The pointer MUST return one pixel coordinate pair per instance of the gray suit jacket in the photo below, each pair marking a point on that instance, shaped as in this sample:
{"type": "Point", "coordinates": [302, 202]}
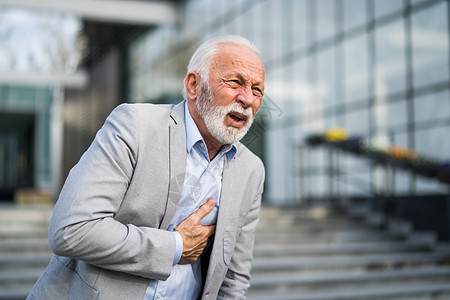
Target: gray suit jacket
{"type": "Point", "coordinates": [108, 229]}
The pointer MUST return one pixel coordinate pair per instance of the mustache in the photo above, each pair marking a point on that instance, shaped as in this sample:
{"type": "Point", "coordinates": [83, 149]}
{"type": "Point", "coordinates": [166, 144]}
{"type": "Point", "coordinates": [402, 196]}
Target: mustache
{"type": "Point", "coordinates": [236, 107]}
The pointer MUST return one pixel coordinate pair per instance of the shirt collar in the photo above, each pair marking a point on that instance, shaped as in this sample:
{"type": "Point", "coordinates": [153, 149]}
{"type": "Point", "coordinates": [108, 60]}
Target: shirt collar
{"type": "Point", "coordinates": [193, 136]}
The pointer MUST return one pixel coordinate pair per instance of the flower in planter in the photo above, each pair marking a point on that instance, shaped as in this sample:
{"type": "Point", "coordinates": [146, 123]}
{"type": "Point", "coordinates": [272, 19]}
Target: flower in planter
{"type": "Point", "coordinates": [425, 161]}
{"type": "Point", "coordinates": [444, 166]}
{"type": "Point", "coordinates": [353, 144]}
{"type": "Point", "coordinates": [336, 134]}
{"type": "Point", "coordinates": [315, 139]}
{"type": "Point", "coordinates": [424, 166]}
{"type": "Point", "coordinates": [375, 150]}
{"type": "Point", "coordinates": [377, 154]}
{"type": "Point", "coordinates": [354, 140]}
{"type": "Point", "coordinates": [401, 153]}
{"type": "Point", "coordinates": [443, 172]}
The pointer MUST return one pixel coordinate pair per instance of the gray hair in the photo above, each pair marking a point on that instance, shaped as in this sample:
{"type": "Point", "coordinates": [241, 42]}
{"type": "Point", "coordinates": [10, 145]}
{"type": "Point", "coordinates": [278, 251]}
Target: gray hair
{"type": "Point", "coordinates": [201, 59]}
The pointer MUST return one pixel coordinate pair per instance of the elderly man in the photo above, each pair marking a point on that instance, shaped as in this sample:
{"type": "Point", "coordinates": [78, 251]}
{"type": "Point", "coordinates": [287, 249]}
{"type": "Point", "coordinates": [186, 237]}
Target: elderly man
{"type": "Point", "coordinates": [164, 204]}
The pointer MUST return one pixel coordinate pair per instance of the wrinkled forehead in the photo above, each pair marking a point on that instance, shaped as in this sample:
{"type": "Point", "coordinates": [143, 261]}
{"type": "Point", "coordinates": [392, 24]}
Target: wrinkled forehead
{"type": "Point", "coordinates": [239, 59]}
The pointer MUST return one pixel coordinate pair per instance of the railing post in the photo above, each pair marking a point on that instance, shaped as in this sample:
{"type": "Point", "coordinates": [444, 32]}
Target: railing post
{"type": "Point", "coordinates": [330, 176]}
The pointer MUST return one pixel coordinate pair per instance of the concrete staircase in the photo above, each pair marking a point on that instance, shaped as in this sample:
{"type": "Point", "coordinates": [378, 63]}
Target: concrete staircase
{"type": "Point", "coordinates": [318, 253]}
{"type": "Point", "coordinates": [24, 250]}
{"type": "Point", "coordinates": [314, 253]}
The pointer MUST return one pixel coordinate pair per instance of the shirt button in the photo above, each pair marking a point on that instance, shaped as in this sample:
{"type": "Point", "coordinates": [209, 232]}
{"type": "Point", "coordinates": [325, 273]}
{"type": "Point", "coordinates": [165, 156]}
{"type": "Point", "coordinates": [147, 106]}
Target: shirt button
{"type": "Point", "coordinates": [159, 296]}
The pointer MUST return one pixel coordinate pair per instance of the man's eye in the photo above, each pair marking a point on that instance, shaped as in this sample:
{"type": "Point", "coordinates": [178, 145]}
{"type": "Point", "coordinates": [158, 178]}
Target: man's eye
{"type": "Point", "coordinates": [257, 92]}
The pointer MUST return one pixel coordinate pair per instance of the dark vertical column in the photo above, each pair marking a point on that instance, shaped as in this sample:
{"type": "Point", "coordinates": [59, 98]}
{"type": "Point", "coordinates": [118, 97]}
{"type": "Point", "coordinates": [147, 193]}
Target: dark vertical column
{"type": "Point", "coordinates": [409, 89]}
{"type": "Point", "coordinates": [370, 29]}
{"type": "Point", "coordinates": [372, 79]}
{"type": "Point", "coordinates": [448, 198]}
{"type": "Point", "coordinates": [448, 24]}
{"type": "Point", "coordinates": [339, 76]}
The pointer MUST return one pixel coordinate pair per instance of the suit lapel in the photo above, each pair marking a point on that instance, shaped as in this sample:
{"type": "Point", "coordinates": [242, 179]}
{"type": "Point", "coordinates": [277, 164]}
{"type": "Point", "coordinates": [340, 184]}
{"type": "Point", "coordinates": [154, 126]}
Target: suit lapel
{"type": "Point", "coordinates": [231, 183]}
{"type": "Point", "coordinates": [227, 205]}
{"type": "Point", "coordinates": [177, 162]}
{"type": "Point", "coordinates": [228, 215]}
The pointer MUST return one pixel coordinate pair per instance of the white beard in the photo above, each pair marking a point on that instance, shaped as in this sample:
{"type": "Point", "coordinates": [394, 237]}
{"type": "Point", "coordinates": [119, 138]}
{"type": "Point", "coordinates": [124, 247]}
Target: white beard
{"type": "Point", "coordinates": [214, 117]}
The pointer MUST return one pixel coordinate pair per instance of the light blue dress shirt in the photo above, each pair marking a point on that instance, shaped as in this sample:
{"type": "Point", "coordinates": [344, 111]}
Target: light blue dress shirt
{"type": "Point", "coordinates": [203, 180]}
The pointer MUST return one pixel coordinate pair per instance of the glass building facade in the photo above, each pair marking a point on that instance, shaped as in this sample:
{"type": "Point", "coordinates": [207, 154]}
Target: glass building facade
{"type": "Point", "coordinates": [378, 68]}
{"type": "Point", "coordinates": [25, 138]}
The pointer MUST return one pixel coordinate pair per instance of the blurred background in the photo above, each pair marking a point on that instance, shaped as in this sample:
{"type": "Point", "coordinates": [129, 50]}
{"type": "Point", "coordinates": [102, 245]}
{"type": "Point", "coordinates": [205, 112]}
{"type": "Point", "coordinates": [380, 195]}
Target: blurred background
{"type": "Point", "coordinates": [356, 112]}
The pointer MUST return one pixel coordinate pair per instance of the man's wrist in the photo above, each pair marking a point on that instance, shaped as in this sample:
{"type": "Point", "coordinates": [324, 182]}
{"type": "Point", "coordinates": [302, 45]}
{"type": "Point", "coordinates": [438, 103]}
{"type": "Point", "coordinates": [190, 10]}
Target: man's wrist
{"type": "Point", "coordinates": [178, 248]}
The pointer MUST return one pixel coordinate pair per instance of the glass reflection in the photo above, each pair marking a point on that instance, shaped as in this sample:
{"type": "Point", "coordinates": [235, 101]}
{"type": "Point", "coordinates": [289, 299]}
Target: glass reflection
{"type": "Point", "coordinates": [434, 142]}
{"type": "Point", "coordinates": [390, 59]}
{"type": "Point", "coordinates": [432, 107]}
{"type": "Point", "coordinates": [356, 69]}
{"type": "Point", "coordinates": [386, 7]}
{"type": "Point", "coordinates": [325, 11]}
{"type": "Point", "coordinates": [354, 13]}
{"type": "Point", "coordinates": [326, 85]}
{"type": "Point", "coordinates": [430, 45]}
{"type": "Point", "coordinates": [323, 84]}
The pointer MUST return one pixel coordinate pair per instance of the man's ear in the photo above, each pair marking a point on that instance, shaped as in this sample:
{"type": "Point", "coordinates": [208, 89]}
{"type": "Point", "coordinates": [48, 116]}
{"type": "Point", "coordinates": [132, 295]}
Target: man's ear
{"type": "Point", "coordinates": [192, 84]}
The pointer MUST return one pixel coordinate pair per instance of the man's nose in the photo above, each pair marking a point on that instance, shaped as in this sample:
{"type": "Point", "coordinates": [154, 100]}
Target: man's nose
{"type": "Point", "coordinates": [246, 97]}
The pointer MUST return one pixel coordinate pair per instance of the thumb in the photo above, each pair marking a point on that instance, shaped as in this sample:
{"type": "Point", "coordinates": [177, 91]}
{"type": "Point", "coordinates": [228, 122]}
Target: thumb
{"type": "Point", "coordinates": [205, 209]}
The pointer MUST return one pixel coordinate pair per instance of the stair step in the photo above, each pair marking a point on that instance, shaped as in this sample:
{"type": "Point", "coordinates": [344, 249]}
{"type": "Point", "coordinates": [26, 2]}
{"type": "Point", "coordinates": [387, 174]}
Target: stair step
{"type": "Point", "coordinates": [19, 213]}
{"type": "Point", "coordinates": [20, 276]}
{"type": "Point", "coordinates": [24, 245]}
{"type": "Point", "coordinates": [269, 281]}
{"type": "Point", "coordinates": [308, 223]}
{"type": "Point", "coordinates": [23, 222]}
{"type": "Point", "coordinates": [347, 261]}
{"type": "Point", "coordinates": [360, 293]}
{"type": "Point", "coordinates": [15, 294]}
{"type": "Point", "coordinates": [23, 234]}
{"type": "Point", "coordinates": [320, 237]}
{"type": "Point", "coordinates": [14, 260]}
{"type": "Point", "coordinates": [339, 248]}
{"type": "Point", "coordinates": [318, 254]}
{"type": "Point", "coordinates": [319, 212]}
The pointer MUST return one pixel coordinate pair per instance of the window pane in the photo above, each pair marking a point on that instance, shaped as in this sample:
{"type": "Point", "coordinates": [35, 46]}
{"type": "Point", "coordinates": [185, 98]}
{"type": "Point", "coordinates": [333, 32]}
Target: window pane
{"type": "Point", "coordinates": [434, 142]}
{"type": "Point", "coordinates": [196, 11]}
{"type": "Point", "coordinates": [426, 186]}
{"type": "Point", "coordinates": [388, 115]}
{"type": "Point", "coordinates": [430, 45]}
{"type": "Point", "coordinates": [279, 29]}
{"type": "Point", "coordinates": [215, 9]}
{"type": "Point", "coordinates": [356, 69]}
{"type": "Point", "coordinates": [432, 107]}
{"type": "Point", "coordinates": [357, 122]}
{"type": "Point", "coordinates": [325, 19]}
{"type": "Point", "coordinates": [258, 33]}
{"type": "Point", "coordinates": [325, 79]}
{"type": "Point", "coordinates": [417, 1]}
{"type": "Point", "coordinates": [354, 13]}
{"type": "Point", "coordinates": [265, 41]}
{"type": "Point", "coordinates": [390, 59]}
{"type": "Point", "coordinates": [402, 182]}
{"type": "Point", "coordinates": [386, 7]}
{"type": "Point", "coordinates": [300, 86]}
{"type": "Point", "coordinates": [275, 166]}
{"type": "Point", "coordinates": [299, 26]}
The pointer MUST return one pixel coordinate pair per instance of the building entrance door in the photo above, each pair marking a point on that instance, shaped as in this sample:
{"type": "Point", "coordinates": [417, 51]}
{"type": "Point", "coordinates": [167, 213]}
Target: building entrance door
{"type": "Point", "coordinates": [17, 132]}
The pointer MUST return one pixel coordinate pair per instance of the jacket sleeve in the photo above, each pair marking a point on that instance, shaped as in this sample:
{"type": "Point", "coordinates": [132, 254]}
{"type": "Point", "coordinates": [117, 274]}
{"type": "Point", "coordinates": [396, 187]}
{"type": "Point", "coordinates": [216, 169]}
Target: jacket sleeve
{"type": "Point", "coordinates": [83, 224]}
{"type": "Point", "coordinates": [237, 279]}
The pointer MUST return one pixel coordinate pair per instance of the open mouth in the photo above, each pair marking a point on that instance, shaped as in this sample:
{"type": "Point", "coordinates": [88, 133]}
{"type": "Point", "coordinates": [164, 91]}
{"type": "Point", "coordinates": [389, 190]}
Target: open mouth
{"type": "Point", "coordinates": [237, 117]}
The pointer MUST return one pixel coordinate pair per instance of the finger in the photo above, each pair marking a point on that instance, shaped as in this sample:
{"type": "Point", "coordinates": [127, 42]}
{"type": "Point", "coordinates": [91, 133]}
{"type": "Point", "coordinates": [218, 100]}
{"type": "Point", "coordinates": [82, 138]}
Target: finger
{"type": "Point", "coordinates": [210, 229]}
{"type": "Point", "coordinates": [205, 209]}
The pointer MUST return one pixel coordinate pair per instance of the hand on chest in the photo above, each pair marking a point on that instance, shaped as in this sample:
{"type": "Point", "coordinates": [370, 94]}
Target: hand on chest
{"type": "Point", "coordinates": [203, 181]}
